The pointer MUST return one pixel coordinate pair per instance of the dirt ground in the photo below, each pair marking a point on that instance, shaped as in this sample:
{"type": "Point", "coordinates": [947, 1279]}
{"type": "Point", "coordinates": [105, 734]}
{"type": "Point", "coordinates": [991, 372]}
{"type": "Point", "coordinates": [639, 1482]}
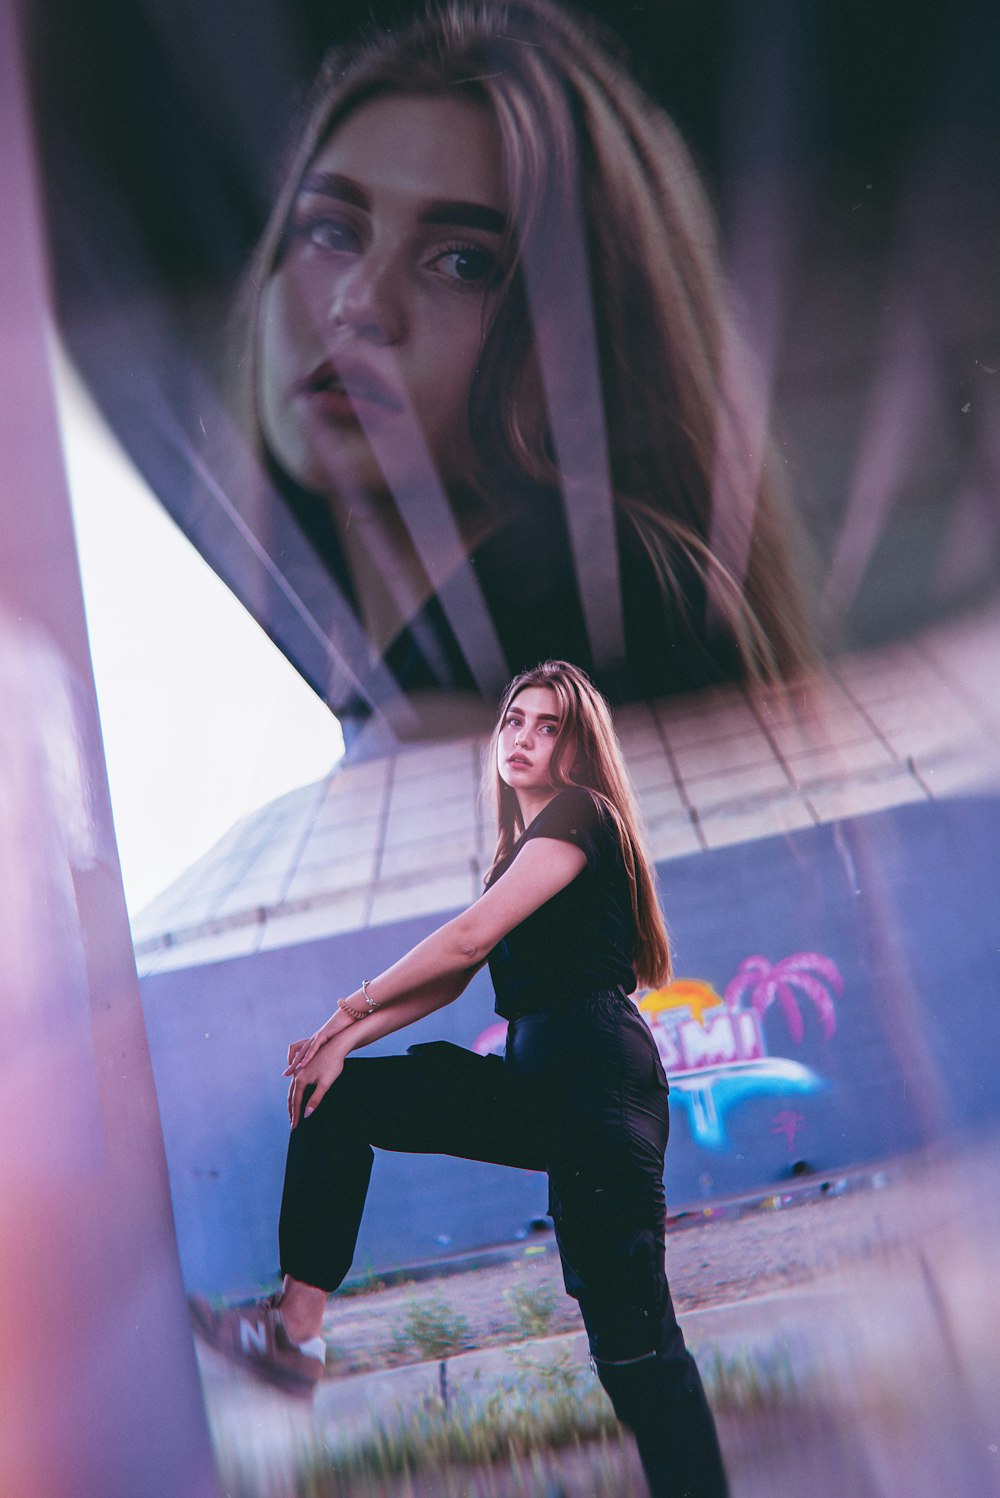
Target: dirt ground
{"type": "Point", "coordinates": [877, 1215]}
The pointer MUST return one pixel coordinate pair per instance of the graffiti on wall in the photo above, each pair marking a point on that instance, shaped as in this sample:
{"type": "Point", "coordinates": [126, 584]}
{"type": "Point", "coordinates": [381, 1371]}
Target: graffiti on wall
{"type": "Point", "coordinates": [713, 1047]}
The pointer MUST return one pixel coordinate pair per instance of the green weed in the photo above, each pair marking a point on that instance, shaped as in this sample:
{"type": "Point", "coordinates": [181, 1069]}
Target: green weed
{"type": "Point", "coordinates": [533, 1308]}
{"type": "Point", "coordinates": [432, 1328]}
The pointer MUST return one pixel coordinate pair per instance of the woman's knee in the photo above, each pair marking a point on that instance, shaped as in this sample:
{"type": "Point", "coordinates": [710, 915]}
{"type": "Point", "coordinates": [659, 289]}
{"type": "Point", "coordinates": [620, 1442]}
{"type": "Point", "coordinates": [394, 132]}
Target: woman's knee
{"type": "Point", "coordinates": [618, 1276]}
{"type": "Point", "coordinates": [360, 1092]}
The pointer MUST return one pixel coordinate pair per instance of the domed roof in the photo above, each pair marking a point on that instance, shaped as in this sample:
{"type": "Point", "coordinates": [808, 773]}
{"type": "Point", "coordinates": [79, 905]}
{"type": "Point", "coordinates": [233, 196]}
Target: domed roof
{"type": "Point", "coordinates": [403, 835]}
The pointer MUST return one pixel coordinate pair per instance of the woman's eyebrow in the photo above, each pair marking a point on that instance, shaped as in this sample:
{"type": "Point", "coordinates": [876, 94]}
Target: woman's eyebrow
{"type": "Point", "coordinates": [333, 185]}
{"type": "Point", "coordinates": [465, 216]}
{"type": "Point", "coordinates": [460, 214]}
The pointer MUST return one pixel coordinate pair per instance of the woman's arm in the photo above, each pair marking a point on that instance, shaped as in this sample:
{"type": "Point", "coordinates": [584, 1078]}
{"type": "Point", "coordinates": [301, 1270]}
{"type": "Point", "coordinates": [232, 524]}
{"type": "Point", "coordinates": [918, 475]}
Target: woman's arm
{"type": "Point", "coordinates": [326, 1062]}
{"type": "Point", "coordinates": [457, 949]}
{"type": "Point", "coordinates": [416, 1005]}
{"type": "Point", "coordinates": [541, 869]}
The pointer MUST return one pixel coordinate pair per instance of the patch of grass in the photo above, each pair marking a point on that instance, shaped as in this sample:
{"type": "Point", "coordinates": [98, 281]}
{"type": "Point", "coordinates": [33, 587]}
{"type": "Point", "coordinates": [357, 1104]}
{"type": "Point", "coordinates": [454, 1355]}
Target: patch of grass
{"type": "Point", "coordinates": [560, 1377]}
{"type": "Point", "coordinates": [547, 1406]}
{"type": "Point", "coordinates": [601, 1470]}
{"type": "Point", "coordinates": [507, 1440]}
{"type": "Point", "coordinates": [432, 1328]}
{"type": "Point", "coordinates": [751, 1380]}
{"type": "Point", "coordinates": [533, 1308]}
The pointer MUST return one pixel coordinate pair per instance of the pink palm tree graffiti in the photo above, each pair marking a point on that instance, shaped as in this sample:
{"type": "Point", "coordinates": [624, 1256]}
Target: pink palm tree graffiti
{"type": "Point", "coordinates": [762, 982]}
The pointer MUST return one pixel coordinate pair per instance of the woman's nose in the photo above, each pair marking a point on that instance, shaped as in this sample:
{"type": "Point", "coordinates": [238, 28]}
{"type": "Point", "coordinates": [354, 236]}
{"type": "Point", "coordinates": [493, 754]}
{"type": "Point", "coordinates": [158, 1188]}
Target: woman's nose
{"type": "Point", "coordinates": [366, 301]}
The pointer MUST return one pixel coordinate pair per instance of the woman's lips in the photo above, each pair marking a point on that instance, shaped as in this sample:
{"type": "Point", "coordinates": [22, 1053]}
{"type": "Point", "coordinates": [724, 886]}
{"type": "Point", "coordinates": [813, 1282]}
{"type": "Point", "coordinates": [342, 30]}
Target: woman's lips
{"type": "Point", "coordinates": [518, 762]}
{"type": "Point", "coordinates": [346, 394]}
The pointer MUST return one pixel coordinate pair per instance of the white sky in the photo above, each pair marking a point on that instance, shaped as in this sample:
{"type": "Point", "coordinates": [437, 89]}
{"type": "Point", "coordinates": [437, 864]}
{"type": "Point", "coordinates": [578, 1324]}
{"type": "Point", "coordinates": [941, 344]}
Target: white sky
{"type": "Point", "coordinates": [203, 718]}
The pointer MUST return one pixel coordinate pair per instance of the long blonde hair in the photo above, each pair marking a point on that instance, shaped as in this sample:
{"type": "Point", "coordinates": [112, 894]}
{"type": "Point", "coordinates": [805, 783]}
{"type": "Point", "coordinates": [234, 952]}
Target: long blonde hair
{"type": "Point", "coordinates": [582, 144]}
{"type": "Point", "coordinates": [587, 755]}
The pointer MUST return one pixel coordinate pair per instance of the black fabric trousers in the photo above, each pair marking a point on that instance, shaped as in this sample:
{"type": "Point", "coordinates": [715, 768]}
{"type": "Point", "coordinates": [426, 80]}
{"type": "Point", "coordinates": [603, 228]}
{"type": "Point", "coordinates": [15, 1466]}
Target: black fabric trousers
{"type": "Point", "coordinates": [580, 1094]}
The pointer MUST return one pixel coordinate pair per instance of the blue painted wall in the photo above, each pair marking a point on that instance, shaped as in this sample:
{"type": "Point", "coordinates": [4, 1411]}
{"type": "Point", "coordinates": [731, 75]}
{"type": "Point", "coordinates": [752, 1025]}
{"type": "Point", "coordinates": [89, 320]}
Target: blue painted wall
{"type": "Point", "coordinates": [903, 902]}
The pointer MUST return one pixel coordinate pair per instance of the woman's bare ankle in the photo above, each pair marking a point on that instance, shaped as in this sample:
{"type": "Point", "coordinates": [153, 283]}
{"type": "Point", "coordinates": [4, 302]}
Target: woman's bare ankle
{"type": "Point", "coordinates": [302, 1308]}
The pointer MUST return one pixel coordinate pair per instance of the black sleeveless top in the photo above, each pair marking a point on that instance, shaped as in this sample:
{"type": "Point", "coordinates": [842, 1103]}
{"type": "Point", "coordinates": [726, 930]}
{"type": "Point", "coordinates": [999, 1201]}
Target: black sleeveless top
{"type": "Point", "coordinates": [582, 940]}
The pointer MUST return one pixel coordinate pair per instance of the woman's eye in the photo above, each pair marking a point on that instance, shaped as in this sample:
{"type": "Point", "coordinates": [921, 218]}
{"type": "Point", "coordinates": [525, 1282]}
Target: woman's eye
{"type": "Point", "coordinates": [327, 233]}
{"type": "Point", "coordinates": [473, 265]}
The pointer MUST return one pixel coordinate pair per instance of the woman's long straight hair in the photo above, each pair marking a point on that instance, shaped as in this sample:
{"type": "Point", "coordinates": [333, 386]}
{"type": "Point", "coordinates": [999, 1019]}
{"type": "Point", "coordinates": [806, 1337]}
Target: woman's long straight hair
{"type": "Point", "coordinates": [587, 755]}
{"type": "Point", "coordinates": [586, 153]}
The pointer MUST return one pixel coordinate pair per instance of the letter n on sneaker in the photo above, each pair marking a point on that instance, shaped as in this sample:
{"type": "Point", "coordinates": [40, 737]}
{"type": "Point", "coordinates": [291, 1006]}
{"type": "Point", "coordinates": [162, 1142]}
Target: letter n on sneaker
{"type": "Point", "coordinates": [255, 1337]}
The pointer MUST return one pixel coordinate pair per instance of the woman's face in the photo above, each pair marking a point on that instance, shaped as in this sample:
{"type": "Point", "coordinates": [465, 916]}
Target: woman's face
{"type": "Point", "coordinates": [371, 323]}
{"type": "Point", "coordinates": [528, 737]}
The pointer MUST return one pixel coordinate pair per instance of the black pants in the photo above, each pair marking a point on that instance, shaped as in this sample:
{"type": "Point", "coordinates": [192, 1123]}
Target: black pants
{"type": "Point", "coordinates": [580, 1094]}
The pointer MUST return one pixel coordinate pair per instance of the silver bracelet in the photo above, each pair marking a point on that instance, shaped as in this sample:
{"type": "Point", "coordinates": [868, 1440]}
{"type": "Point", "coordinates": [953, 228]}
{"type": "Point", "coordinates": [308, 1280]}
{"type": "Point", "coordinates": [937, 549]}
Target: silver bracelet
{"type": "Point", "coordinates": [367, 997]}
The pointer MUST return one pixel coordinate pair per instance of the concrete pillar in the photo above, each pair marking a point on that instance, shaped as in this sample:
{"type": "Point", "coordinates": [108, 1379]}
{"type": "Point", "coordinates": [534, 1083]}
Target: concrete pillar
{"type": "Point", "coordinates": [99, 1393]}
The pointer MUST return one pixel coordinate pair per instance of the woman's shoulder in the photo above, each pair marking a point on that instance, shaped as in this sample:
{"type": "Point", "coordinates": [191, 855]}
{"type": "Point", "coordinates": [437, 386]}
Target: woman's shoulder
{"type": "Point", "coordinates": [576, 815]}
{"type": "Point", "coordinates": [573, 800]}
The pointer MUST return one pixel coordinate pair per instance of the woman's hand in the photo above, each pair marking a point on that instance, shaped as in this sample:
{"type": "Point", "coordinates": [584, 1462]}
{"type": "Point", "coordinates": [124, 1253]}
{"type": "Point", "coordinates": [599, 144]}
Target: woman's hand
{"type": "Point", "coordinates": [296, 1052]}
{"type": "Point", "coordinates": [301, 1052]}
{"type": "Point", "coordinates": [320, 1071]}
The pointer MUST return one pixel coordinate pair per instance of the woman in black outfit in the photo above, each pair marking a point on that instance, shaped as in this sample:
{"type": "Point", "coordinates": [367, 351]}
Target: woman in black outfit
{"type": "Point", "coordinates": [569, 922]}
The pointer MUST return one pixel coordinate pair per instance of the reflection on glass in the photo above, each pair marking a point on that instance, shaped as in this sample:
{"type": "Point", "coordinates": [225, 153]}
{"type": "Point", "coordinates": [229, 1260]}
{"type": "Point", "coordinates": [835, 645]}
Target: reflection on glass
{"type": "Point", "coordinates": [486, 335]}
